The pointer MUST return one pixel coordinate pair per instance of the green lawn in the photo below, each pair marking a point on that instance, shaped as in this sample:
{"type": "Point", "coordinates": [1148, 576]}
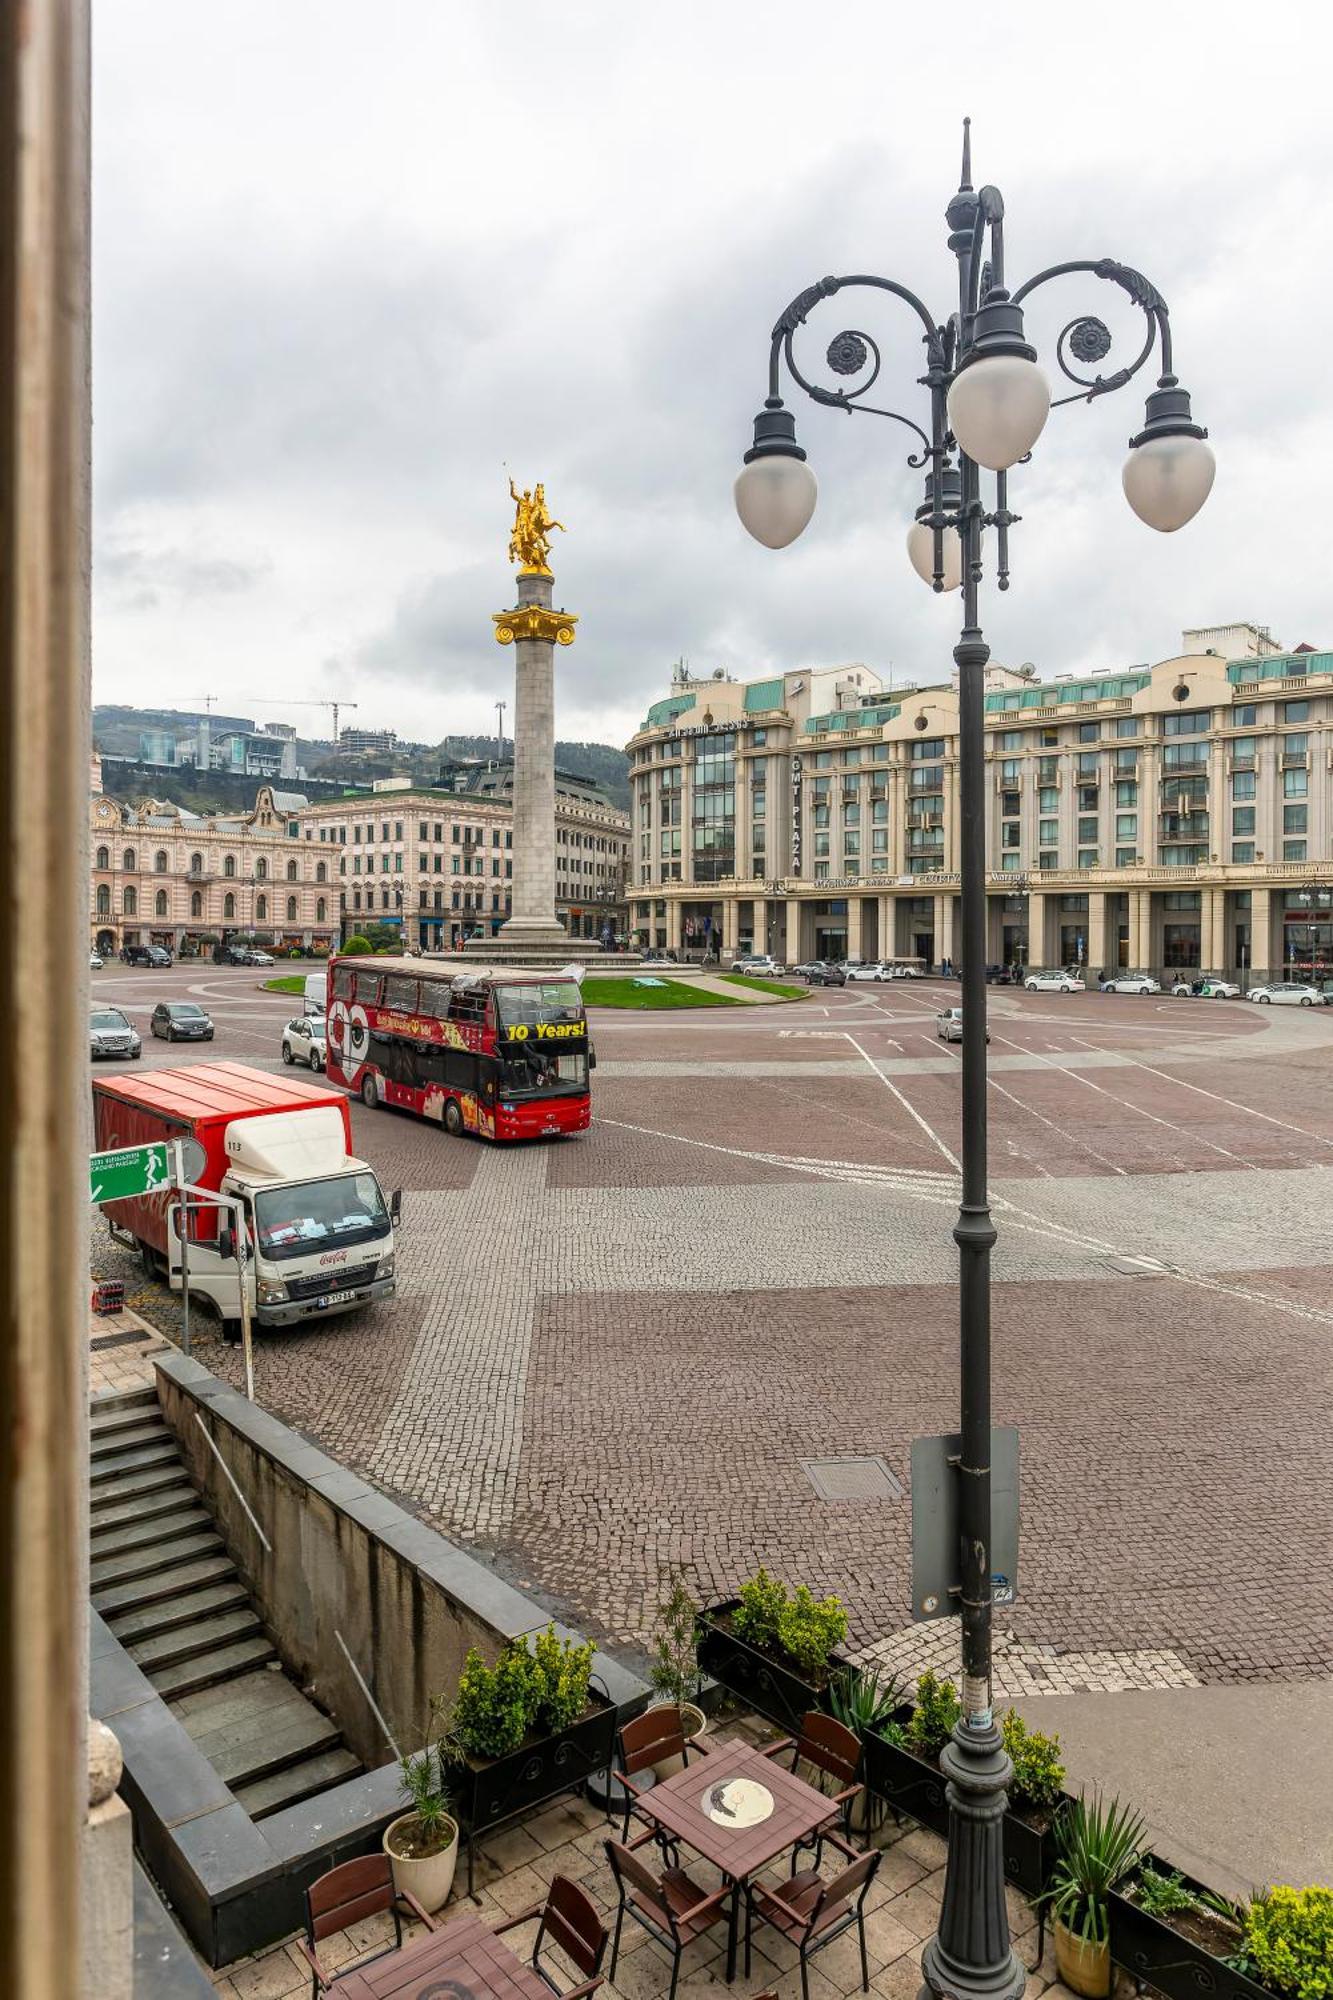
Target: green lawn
{"type": "Point", "coordinates": [675, 993]}
{"type": "Point", "coordinates": [287, 982]}
{"type": "Point", "coordinates": [777, 988]}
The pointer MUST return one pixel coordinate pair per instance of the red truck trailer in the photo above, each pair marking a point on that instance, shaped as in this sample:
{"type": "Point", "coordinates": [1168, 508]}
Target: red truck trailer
{"type": "Point", "coordinates": [319, 1229]}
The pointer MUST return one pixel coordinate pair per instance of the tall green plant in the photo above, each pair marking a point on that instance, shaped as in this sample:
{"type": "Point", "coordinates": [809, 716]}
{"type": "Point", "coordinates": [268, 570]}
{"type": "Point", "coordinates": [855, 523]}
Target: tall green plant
{"type": "Point", "coordinates": [426, 1790]}
{"type": "Point", "coordinates": [675, 1669]}
{"type": "Point", "coordinates": [562, 1671]}
{"type": "Point", "coordinates": [1039, 1774]}
{"type": "Point", "coordinates": [809, 1629]}
{"type": "Point", "coordinates": [494, 1706]}
{"type": "Point", "coordinates": [1097, 1846]}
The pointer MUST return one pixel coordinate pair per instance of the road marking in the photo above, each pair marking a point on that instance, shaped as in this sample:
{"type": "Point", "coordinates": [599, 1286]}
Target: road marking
{"type": "Point", "coordinates": [1318, 1137]}
{"type": "Point", "coordinates": [911, 1111]}
{"type": "Point", "coordinates": [1124, 1103]}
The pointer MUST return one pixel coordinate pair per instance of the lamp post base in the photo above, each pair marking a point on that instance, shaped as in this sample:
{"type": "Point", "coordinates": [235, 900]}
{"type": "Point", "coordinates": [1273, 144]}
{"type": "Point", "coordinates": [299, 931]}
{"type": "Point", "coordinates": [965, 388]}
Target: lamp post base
{"type": "Point", "coordinates": [970, 1957]}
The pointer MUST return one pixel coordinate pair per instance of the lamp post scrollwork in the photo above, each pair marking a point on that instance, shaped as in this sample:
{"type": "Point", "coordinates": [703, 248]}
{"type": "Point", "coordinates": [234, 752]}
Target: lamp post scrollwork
{"type": "Point", "coordinates": [987, 403]}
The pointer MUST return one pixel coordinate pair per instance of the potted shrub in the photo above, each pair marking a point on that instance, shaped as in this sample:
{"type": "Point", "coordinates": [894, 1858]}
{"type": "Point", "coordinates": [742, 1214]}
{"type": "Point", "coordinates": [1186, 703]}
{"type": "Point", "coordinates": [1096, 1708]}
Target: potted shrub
{"type": "Point", "coordinates": [524, 1730]}
{"type": "Point", "coordinates": [902, 1754]}
{"type": "Point", "coordinates": [675, 1672]}
{"type": "Point", "coordinates": [773, 1650]}
{"type": "Point", "coordinates": [1170, 1930]}
{"type": "Point", "coordinates": [422, 1844]}
{"type": "Point", "coordinates": [1097, 1847]}
{"type": "Point", "coordinates": [863, 1699]}
{"type": "Point", "coordinates": [1036, 1799]}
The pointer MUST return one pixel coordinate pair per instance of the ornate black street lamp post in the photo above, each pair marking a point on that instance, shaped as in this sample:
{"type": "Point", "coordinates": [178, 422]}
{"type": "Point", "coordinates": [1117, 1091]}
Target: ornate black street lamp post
{"type": "Point", "coordinates": [988, 402]}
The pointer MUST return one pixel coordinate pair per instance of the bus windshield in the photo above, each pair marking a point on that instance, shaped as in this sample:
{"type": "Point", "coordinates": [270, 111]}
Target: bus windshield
{"type": "Point", "coordinates": [547, 1000]}
{"type": "Point", "coordinates": [529, 1071]}
{"type": "Point", "coordinates": [319, 1215]}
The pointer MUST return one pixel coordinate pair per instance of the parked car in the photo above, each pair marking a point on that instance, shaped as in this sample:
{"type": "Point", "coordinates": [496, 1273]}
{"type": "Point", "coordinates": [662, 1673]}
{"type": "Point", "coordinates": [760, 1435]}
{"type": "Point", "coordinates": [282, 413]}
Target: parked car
{"type": "Point", "coordinates": [306, 1040]}
{"type": "Point", "coordinates": [949, 1025]}
{"type": "Point", "coordinates": [94, 962]}
{"type": "Point", "coordinates": [1130, 982]}
{"type": "Point", "coordinates": [261, 958]}
{"type": "Point", "coordinates": [759, 965]}
{"type": "Point", "coordinates": [906, 972]}
{"type": "Point", "coordinates": [1284, 994]}
{"type": "Point", "coordinates": [656, 957]}
{"type": "Point", "coordinates": [1053, 982]}
{"type": "Point", "coordinates": [180, 1021]}
{"type": "Point", "coordinates": [1216, 989]}
{"type": "Point", "coordinates": [145, 954]}
{"type": "Point", "coordinates": [821, 973]}
{"type": "Point", "coordinates": [110, 1033]}
{"type": "Point", "coordinates": [875, 972]}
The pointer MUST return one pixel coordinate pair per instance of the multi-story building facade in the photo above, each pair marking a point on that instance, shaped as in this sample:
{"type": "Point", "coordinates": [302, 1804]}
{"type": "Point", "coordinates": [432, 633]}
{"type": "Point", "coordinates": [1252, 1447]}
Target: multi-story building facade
{"type": "Point", "coordinates": [439, 864]}
{"type": "Point", "coordinates": [164, 875]}
{"type": "Point", "coordinates": [1171, 817]}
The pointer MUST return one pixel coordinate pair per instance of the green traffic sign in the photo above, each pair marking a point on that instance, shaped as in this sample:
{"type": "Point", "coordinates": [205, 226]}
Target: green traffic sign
{"type": "Point", "coordinates": [129, 1170]}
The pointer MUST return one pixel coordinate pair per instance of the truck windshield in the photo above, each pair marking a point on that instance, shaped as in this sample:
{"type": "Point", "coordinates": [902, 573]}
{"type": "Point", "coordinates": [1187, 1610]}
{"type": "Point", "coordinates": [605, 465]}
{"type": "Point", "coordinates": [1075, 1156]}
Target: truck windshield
{"type": "Point", "coordinates": [537, 1072]}
{"type": "Point", "coordinates": [315, 1215]}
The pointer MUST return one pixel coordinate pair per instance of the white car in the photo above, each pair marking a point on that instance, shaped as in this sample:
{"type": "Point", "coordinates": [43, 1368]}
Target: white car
{"type": "Point", "coordinates": [1286, 995]}
{"type": "Point", "coordinates": [949, 1025]}
{"type": "Point", "coordinates": [1131, 982]}
{"type": "Point", "coordinates": [306, 1040]}
{"type": "Point", "coordinates": [906, 972]}
{"type": "Point", "coordinates": [1053, 982]}
{"type": "Point", "coordinates": [262, 958]}
{"type": "Point", "coordinates": [94, 962]}
{"type": "Point", "coordinates": [869, 972]}
{"type": "Point", "coordinates": [1218, 989]}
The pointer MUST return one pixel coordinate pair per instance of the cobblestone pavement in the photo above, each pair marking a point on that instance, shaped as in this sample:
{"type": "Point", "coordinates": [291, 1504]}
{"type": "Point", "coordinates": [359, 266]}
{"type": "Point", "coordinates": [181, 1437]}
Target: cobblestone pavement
{"type": "Point", "coordinates": [615, 1353]}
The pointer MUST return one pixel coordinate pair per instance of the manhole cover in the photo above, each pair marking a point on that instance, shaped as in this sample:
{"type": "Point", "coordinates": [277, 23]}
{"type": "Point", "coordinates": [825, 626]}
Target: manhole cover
{"type": "Point", "coordinates": [852, 1479]}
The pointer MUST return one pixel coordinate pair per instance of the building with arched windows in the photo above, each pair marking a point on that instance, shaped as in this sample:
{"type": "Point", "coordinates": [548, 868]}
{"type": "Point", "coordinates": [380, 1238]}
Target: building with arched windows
{"type": "Point", "coordinates": [164, 875]}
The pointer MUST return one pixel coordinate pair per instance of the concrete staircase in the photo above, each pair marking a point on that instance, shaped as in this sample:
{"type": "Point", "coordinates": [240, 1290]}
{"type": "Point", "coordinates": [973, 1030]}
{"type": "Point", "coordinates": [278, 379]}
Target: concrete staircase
{"type": "Point", "coordinates": [163, 1581]}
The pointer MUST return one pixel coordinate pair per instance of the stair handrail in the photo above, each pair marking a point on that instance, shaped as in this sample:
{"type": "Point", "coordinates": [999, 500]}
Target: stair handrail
{"type": "Point", "coordinates": [228, 1476]}
{"type": "Point", "coordinates": [374, 1706]}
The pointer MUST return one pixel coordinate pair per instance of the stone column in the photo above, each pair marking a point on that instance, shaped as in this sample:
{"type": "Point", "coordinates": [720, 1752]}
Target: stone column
{"type": "Point", "coordinates": [1036, 930]}
{"type": "Point", "coordinates": [1096, 939]}
{"type": "Point", "coordinates": [731, 923]}
{"type": "Point", "coordinates": [44, 764]}
{"type": "Point", "coordinates": [1261, 935]}
{"type": "Point", "coordinates": [853, 926]}
{"type": "Point", "coordinates": [533, 630]}
{"type": "Point", "coordinates": [943, 928]}
{"type": "Point", "coordinates": [673, 925]}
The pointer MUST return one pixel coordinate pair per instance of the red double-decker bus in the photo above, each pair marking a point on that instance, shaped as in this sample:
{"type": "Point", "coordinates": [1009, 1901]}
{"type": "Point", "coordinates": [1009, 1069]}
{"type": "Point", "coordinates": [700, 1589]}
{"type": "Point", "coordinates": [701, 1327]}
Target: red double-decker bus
{"type": "Point", "coordinates": [502, 1054]}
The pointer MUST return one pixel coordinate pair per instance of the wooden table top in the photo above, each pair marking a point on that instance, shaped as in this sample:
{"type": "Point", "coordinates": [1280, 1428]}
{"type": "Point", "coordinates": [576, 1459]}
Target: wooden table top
{"type": "Point", "coordinates": [678, 1806]}
{"type": "Point", "coordinates": [463, 1961]}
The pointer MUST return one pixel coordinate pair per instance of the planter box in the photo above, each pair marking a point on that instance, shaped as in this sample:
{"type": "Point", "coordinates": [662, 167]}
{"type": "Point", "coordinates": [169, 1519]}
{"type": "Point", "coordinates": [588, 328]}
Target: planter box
{"type": "Point", "coordinates": [1152, 1952]}
{"type": "Point", "coordinates": [906, 1783]}
{"type": "Point", "coordinates": [490, 1791]}
{"type": "Point", "coordinates": [1029, 1851]}
{"type": "Point", "coordinates": [778, 1691]}
{"type": "Point", "coordinates": [910, 1784]}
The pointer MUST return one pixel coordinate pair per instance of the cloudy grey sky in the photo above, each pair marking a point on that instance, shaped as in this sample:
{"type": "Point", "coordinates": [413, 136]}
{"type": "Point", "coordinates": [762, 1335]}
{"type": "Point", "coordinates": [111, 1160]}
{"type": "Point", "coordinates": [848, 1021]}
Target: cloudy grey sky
{"type": "Point", "coordinates": [351, 261]}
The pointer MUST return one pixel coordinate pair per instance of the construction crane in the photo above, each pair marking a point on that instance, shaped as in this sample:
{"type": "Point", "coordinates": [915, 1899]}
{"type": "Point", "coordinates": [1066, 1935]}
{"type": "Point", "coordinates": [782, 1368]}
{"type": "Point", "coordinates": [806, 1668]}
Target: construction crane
{"type": "Point", "coordinates": [268, 701]}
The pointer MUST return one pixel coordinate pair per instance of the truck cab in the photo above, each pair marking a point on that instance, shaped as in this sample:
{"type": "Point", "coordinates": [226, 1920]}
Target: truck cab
{"type": "Point", "coordinates": [319, 1235]}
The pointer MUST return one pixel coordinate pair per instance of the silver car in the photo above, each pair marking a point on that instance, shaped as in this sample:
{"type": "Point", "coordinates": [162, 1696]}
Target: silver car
{"type": "Point", "coordinates": [949, 1025]}
{"type": "Point", "coordinates": [110, 1033]}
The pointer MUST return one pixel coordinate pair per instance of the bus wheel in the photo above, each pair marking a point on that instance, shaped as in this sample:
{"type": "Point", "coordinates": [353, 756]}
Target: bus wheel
{"type": "Point", "coordinates": [370, 1095]}
{"type": "Point", "coordinates": [453, 1119]}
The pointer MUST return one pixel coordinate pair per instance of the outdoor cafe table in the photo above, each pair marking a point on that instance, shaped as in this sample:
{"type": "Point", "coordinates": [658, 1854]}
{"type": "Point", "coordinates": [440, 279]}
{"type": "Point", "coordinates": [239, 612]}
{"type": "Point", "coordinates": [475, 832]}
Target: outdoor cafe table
{"type": "Point", "coordinates": [739, 1847]}
{"type": "Point", "coordinates": [463, 1961]}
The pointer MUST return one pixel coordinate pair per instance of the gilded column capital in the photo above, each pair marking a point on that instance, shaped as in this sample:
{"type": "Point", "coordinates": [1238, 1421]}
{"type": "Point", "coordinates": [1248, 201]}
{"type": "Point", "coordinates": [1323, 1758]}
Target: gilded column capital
{"type": "Point", "coordinates": [534, 621]}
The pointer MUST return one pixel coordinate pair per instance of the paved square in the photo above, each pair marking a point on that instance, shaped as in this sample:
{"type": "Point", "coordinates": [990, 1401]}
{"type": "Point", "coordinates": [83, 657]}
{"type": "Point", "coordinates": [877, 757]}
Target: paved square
{"type": "Point", "coordinates": [615, 1353]}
